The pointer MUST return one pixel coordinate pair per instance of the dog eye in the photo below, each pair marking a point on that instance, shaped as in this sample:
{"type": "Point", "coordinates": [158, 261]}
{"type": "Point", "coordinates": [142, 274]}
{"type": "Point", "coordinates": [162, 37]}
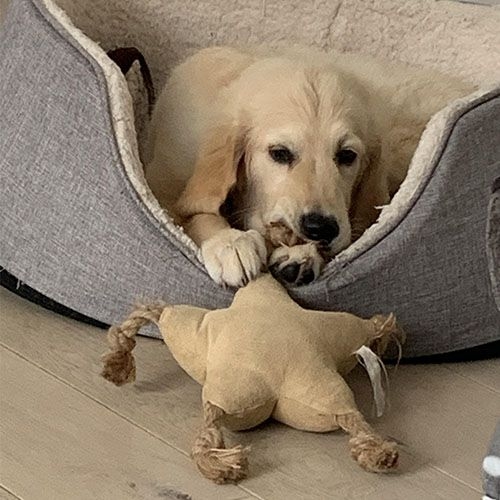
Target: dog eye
{"type": "Point", "coordinates": [281, 154]}
{"type": "Point", "coordinates": [346, 157]}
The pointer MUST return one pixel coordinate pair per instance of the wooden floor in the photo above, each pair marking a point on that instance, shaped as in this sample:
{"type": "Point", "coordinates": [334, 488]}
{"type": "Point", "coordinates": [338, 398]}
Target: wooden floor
{"type": "Point", "coordinates": [67, 434]}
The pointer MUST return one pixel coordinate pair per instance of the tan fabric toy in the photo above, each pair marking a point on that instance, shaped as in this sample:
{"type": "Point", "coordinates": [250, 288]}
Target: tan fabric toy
{"type": "Point", "coordinates": [262, 357]}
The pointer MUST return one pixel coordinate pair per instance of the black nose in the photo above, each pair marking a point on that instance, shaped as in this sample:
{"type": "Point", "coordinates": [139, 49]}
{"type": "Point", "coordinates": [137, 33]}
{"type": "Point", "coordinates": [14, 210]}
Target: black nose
{"type": "Point", "coordinates": [317, 227]}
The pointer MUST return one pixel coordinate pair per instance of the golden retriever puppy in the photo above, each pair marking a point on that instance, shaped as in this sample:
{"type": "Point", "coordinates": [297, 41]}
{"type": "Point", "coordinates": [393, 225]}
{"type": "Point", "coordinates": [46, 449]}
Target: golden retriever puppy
{"type": "Point", "coordinates": [244, 141]}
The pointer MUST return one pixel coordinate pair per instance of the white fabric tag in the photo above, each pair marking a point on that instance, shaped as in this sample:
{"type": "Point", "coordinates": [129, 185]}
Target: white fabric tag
{"type": "Point", "coordinates": [374, 367]}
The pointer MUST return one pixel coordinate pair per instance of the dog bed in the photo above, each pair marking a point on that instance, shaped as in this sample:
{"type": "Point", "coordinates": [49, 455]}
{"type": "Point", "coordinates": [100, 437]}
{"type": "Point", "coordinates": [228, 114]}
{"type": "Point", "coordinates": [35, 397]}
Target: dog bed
{"type": "Point", "coordinates": [79, 225]}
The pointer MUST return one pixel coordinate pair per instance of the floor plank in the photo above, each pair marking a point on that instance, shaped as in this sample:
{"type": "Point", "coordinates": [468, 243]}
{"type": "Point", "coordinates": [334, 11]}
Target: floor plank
{"type": "Point", "coordinates": [6, 495]}
{"type": "Point", "coordinates": [428, 415]}
{"type": "Point", "coordinates": [315, 466]}
{"type": "Point", "coordinates": [74, 448]}
{"type": "Point", "coordinates": [486, 373]}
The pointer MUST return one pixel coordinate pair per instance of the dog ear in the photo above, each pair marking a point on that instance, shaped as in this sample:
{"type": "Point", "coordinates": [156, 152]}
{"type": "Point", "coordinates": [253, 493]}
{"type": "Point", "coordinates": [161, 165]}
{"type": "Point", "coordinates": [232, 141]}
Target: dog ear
{"type": "Point", "coordinates": [215, 173]}
{"type": "Point", "coordinates": [371, 191]}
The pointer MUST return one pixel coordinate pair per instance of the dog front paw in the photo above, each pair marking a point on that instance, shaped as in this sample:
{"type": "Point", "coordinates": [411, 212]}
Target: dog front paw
{"type": "Point", "coordinates": [297, 265]}
{"type": "Point", "coordinates": [233, 257]}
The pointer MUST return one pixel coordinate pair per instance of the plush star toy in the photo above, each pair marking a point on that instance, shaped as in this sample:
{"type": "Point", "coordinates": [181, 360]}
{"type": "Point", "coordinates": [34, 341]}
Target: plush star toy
{"type": "Point", "coordinates": [264, 356]}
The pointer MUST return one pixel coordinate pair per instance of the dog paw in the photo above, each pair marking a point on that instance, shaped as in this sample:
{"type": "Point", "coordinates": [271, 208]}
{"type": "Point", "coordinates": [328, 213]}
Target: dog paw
{"type": "Point", "coordinates": [233, 257]}
{"type": "Point", "coordinates": [297, 265]}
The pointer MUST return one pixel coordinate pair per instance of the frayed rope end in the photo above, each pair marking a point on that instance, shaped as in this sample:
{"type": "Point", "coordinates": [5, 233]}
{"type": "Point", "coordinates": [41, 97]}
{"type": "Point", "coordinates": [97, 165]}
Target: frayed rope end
{"type": "Point", "coordinates": [212, 458]}
{"type": "Point", "coordinates": [119, 363]}
{"type": "Point", "coordinates": [119, 366]}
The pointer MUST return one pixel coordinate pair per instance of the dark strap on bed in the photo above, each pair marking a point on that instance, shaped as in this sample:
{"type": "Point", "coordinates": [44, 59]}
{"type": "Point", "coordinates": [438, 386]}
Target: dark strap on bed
{"type": "Point", "coordinates": [124, 57]}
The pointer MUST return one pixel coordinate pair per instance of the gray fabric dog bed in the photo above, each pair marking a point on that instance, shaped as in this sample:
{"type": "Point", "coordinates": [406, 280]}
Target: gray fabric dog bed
{"type": "Point", "coordinates": [79, 224]}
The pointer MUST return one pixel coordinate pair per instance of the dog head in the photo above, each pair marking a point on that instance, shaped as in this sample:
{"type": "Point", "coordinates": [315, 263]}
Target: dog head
{"type": "Point", "coordinates": [299, 146]}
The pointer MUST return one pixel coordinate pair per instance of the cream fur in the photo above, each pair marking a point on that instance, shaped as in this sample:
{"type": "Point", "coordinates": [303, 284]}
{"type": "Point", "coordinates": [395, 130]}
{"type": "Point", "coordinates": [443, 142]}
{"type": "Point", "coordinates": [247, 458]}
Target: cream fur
{"type": "Point", "coordinates": [224, 107]}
